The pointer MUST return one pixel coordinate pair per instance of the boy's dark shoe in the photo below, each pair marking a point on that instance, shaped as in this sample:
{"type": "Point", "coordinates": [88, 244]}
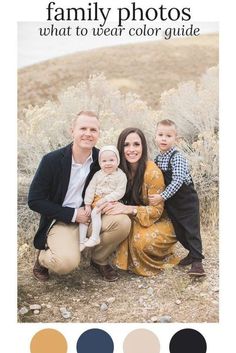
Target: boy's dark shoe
{"type": "Point", "coordinates": [197, 269]}
{"type": "Point", "coordinates": [107, 271]}
{"type": "Point", "coordinates": [40, 272]}
{"type": "Point", "coordinates": [186, 261]}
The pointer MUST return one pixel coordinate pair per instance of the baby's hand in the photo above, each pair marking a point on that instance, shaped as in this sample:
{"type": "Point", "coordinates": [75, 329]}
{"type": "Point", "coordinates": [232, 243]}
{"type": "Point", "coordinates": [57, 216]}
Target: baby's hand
{"type": "Point", "coordinates": [155, 199]}
{"type": "Point", "coordinates": [87, 209]}
{"type": "Point", "coordinates": [100, 203]}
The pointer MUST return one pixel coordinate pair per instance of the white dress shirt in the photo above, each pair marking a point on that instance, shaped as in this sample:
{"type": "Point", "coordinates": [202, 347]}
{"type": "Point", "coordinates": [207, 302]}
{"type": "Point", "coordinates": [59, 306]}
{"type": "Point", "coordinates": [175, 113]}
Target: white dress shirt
{"type": "Point", "coordinates": [78, 175]}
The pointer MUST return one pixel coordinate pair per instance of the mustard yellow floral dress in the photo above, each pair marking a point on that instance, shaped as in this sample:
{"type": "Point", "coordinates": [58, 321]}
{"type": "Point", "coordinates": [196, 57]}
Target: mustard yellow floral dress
{"type": "Point", "coordinates": [150, 243]}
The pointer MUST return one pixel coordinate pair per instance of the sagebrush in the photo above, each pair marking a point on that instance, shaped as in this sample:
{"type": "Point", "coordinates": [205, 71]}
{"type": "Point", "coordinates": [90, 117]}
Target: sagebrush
{"type": "Point", "coordinates": [193, 106]}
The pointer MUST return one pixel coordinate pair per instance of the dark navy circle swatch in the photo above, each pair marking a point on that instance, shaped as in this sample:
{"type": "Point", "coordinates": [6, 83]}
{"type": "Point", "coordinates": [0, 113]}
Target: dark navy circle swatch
{"type": "Point", "coordinates": [188, 340]}
{"type": "Point", "coordinates": [95, 340]}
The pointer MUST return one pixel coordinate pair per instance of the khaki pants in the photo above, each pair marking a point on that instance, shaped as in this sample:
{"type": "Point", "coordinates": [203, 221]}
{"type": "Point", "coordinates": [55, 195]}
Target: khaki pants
{"type": "Point", "coordinates": [63, 253]}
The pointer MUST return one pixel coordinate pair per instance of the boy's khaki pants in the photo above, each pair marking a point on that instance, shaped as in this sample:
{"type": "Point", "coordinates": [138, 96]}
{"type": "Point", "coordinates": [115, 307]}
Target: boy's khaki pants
{"type": "Point", "coordinates": [63, 253]}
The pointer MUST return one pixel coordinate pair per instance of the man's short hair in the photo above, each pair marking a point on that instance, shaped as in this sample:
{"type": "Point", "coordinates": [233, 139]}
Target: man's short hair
{"type": "Point", "coordinates": [85, 112]}
{"type": "Point", "coordinates": [88, 113]}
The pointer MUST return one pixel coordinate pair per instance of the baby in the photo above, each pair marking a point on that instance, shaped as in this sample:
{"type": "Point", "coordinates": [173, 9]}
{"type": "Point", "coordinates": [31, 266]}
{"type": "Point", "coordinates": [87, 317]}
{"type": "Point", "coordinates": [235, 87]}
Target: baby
{"type": "Point", "coordinates": [181, 199]}
{"type": "Point", "coordinates": [108, 184]}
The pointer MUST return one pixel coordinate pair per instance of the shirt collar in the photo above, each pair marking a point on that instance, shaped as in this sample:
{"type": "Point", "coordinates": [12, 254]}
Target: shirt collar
{"type": "Point", "coordinates": [89, 159]}
{"type": "Point", "coordinates": [169, 152]}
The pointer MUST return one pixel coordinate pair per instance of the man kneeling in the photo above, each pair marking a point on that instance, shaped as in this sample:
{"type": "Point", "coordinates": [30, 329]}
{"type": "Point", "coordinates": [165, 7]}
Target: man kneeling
{"type": "Point", "coordinates": [57, 193]}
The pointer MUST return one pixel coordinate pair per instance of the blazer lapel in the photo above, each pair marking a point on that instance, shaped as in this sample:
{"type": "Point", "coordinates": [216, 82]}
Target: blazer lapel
{"type": "Point", "coordinates": [66, 170]}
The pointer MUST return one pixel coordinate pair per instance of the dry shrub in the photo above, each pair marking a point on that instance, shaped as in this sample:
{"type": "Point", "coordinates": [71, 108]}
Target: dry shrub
{"type": "Point", "coordinates": [193, 106]}
{"type": "Point", "coordinates": [204, 162]}
{"type": "Point", "coordinates": [47, 128]}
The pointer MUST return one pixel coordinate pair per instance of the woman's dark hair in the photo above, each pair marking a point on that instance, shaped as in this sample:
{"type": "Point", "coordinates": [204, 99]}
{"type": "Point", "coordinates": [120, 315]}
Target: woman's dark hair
{"type": "Point", "coordinates": [133, 195]}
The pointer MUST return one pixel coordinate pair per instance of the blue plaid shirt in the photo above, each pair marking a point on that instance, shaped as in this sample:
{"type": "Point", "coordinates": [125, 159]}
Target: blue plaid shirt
{"type": "Point", "coordinates": [180, 171]}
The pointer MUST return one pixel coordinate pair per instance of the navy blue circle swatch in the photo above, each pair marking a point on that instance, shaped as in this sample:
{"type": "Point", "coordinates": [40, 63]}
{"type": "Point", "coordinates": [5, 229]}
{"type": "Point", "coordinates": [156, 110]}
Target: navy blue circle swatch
{"type": "Point", "coordinates": [95, 340]}
{"type": "Point", "coordinates": [188, 340]}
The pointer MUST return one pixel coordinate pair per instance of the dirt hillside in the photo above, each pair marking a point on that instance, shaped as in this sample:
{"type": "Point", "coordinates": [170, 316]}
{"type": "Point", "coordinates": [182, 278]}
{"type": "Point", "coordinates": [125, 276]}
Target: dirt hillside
{"type": "Point", "coordinates": [147, 69]}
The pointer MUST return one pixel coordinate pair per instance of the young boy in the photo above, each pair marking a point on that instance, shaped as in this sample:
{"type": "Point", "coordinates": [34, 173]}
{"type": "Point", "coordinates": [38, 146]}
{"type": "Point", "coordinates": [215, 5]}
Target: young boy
{"type": "Point", "coordinates": [108, 184]}
{"type": "Point", "coordinates": [181, 199]}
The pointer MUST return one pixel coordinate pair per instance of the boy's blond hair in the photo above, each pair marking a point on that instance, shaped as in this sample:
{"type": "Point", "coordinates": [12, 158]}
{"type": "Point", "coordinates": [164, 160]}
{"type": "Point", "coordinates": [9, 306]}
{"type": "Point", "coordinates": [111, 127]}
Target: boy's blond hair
{"type": "Point", "coordinates": [167, 122]}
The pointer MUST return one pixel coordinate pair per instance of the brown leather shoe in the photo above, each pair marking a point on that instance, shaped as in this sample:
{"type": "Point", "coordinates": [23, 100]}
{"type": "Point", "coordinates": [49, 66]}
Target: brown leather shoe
{"type": "Point", "coordinates": [197, 269]}
{"type": "Point", "coordinates": [40, 272]}
{"type": "Point", "coordinates": [107, 271]}
{"type": "Point", "coordinates": [186, 261]}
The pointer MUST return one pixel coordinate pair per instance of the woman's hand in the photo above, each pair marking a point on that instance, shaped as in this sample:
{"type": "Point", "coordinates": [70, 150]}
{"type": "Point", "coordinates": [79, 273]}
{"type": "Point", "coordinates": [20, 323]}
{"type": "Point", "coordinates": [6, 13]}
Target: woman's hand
{"type": "Point", "coordinates": [115, 208]}
{"type": "Point", "coordinates": [102, 207]}
{"type": "Point", "coordinates": [155, 199]}
{"type": "Point", "coordinates": [100, 203]}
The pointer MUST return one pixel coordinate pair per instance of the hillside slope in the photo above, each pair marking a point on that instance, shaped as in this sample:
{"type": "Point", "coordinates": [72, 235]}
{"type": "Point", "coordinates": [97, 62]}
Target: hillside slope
{"type": "Point", "coordinates": [147, 69]}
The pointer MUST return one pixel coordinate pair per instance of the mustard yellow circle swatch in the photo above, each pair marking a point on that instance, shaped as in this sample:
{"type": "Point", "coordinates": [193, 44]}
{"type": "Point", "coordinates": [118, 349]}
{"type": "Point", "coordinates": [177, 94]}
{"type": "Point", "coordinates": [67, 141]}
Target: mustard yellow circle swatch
{"type": "Point", "coordinates": [48, 341]}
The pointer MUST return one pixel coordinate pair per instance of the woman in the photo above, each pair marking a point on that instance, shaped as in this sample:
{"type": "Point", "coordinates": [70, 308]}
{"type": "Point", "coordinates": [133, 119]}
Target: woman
{"type": "Point", "coordinates": [151, 239]}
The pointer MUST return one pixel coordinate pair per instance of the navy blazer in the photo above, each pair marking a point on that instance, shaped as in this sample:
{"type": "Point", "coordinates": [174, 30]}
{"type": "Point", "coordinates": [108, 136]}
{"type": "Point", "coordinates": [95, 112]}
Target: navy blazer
{"type": "Point", "coordinates": [48, 190]}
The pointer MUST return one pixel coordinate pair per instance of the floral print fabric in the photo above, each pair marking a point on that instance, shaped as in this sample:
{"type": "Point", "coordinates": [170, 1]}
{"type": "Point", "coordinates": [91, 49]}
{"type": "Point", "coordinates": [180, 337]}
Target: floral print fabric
{"type": "Point", "coordinates": [150, 243]}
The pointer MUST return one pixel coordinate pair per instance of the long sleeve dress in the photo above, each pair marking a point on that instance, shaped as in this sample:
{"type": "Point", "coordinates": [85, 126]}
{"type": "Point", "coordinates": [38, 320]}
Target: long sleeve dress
{"type": "Point", "coordinates": [150, 243]}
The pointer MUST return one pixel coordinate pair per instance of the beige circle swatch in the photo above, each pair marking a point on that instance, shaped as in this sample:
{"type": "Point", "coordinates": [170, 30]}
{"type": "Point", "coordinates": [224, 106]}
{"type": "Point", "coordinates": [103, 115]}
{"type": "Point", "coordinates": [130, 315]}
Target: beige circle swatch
{"type": "Point", "coordinates": [141, 341]}
{"type": "Point", "coordinates": [48, 341]}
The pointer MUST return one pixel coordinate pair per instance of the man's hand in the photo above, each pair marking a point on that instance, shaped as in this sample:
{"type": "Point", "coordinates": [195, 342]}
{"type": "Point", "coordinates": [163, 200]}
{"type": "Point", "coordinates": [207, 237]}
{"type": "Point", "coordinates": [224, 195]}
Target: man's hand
{"type": "Point", "coordinates": [82, 217]}
{"type": "Point", "coordinates": [155, 199]}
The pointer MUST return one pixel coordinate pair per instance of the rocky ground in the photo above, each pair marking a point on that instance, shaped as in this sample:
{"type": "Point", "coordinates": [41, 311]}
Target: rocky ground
{"type": "Point", "coordinates": [171, 296]}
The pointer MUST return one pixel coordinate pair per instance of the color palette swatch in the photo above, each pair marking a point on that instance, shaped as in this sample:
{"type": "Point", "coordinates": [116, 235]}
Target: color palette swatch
{"type": "Point", "coordinates": [188, 340]}
{"type": "Point", "coordinates": [48, 341]}
{"type": "Point", "coordinates": [141, 341]}
{"type": "Point", "coordinates": [138, 341]}
{"type": "Point", "coordinates": [95, 340]}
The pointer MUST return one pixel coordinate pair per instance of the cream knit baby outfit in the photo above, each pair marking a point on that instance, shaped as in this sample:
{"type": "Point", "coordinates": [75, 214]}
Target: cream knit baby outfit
{"type": "Point", "coordinates": [110, 187]}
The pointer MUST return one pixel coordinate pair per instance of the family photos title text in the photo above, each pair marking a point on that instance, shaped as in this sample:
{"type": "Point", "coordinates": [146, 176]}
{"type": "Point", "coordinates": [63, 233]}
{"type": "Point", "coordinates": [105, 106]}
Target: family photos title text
{"type": "Point", "coordinates": [94, 12]}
